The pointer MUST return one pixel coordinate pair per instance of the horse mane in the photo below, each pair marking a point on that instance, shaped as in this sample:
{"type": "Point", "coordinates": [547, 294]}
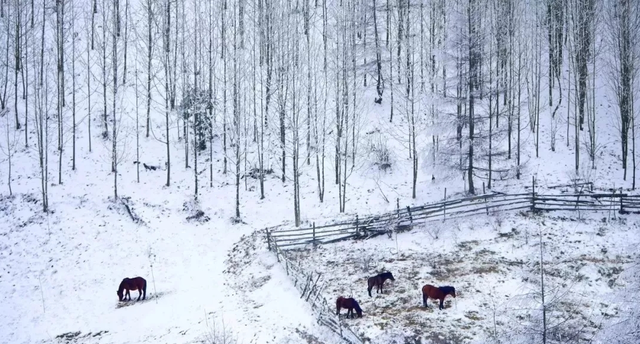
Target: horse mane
{"type": "Point", "coordinates": [385, 274]}
{"type": "Point", "coordinates": [447, 289]}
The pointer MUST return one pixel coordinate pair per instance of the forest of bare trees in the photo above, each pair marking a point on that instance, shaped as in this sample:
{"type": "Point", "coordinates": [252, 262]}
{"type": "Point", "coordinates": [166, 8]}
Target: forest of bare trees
{"type": "Point", "coordinates": [312, 93]}
{"type": "Point", "coordinates": [293, 89]}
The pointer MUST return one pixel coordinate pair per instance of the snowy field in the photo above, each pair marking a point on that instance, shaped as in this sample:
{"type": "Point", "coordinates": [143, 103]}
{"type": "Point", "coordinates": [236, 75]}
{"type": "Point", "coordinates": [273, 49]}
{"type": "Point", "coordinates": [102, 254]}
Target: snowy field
{"type": "Point", "coordinates": [493, 262]}
{"type": "Point", "coordinates": [60, 271]}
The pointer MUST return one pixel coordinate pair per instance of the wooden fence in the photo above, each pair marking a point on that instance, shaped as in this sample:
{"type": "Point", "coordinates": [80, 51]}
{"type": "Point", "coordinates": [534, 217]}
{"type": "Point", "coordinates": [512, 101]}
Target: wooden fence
{"type": "Point", "coordinates": [405, 218]}
{"type": "Point", "coordinates": [311, 286]}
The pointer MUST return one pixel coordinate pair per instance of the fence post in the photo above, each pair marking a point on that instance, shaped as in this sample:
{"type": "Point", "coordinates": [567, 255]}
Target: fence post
{"type": "Point", "coordinates": [268, 240]}
{"type": "Point", "coordinates": [621, 204]}
{"type": "Point", "coordinates": [533, 194]}
{"type": "Point", "coordinates": [309, 280]}
{"type": "Point", "coordinates": [444, 206]}
{"type": "Point", "coordinates": [410, 216]}
{"type": "Point", "coordinates": [313, 287]}
{"type": "Point", "coordinates": [484, 194]}
{"type": "Point", "coordinates": [357, 226]}
{"type": "Point", "coordinates": [398, 207]}
{"type": "Point", "coordinates": [314, 234]}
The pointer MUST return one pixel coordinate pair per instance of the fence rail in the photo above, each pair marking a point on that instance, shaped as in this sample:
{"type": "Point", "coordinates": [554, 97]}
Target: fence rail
{"type": "Point", "coordinates": [311, 286]}
{"type": "Point", "coordinates": [405, 218]}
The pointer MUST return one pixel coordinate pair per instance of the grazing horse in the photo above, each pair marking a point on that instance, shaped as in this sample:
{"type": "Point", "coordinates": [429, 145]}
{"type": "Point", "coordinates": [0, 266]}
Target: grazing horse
{"type": "Point", "coordinates": [378, 281]}
{"type": "Point", "coordinates": [349, 304]}
{"type": "Point", "coordinates": [128, 284]}
{"type": "Point", "coordinates": [436, 293]}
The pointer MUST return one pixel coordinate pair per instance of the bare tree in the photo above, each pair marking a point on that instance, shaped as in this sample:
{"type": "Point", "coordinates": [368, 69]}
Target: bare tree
{"type": "Point", "coordinates": [114, 63]}
{"type": "Point", "coordinates": [60, 59]}
{"type": "Point", "coordinates": [41, 109]}
{"type": "Point", "coordinates": [102, 47]}
{"type": "Point", "coordinates": [583, 19]}
{"type": "Point", "coordinates": [150, 10]}
{"type": "Point", "coordinates": [137, 129]}
{"type": "Point", "coordinates": [376, 39]}
{"type": "Point", "coordinates": [74, 37]}
{"type": "Point", "coordinates": [320, 144]}
{"type": "Point", "coordinates": [237, 111]}
{"type": "Point", "coordinates": [534, 75]}
{"type": "Point", "coordinates": [168, 79]}
{"type": "Point", "coordinates": [126, 40]}
{"type": "Point", "coordinates": [89, 66]}
{"type": "Point", "coordinates": [4, 72]}
{"type": "Point", "coordinates": [8, 147]}
{"type": "Point", "coordinates": [18, 36]}
{"type": "Point", "coordinates": [473, 11]}
{"type": "Point", "coordinates": [294, 119]}
{"type": "Point", "coordinates": [623, 35]}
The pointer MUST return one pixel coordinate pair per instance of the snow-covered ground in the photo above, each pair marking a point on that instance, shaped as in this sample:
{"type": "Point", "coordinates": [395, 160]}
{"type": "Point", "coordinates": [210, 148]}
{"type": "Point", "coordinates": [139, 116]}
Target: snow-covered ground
{"type": "Point", "coordinates": [493, 262]}
{"type": "Point", "coordinates": [59, 272]}
{"type": "Point", "coordinates": [206, 280]}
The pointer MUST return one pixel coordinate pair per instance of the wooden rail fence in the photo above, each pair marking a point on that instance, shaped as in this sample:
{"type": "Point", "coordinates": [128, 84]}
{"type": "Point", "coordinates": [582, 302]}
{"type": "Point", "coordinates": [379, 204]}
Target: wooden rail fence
{"type": "Point", "coordinates": [311, 286]}
{"type": "Point", "coordinates": [405, 218]}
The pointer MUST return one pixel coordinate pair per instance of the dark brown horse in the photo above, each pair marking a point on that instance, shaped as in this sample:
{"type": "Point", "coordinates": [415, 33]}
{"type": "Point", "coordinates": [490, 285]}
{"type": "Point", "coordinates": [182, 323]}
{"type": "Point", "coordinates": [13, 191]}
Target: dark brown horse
{"type": "Point", "coordinates": [350, 304]}
{"type": "Point", "coordinates": [436, 293]}
{"type": "Point", "coordinates": [378, 281]}
{"type": "Point", "coordinates": [128, 284]}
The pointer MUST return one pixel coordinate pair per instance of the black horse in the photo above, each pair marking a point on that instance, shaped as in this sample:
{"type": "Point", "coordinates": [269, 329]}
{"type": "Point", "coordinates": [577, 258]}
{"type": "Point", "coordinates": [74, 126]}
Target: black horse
{"type": "Point", "coordinates": [350, 304]}
{"type": "Point", "coordinates": [378, 281]}
{"type": "Point", "coordinates": [128, 284]}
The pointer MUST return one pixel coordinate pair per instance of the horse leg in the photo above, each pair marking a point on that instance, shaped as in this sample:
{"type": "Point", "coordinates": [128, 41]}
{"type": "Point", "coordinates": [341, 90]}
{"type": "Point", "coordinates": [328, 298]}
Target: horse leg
{"type": "Point", "coordinates": [424, 300]}
{"type": "Point", "coordinates": [338, 310]}
{"type": "Point", "coordinates": [139, 294]}
{"type": "Point", "coordinates": [441, 304]}
{"type": "Point", "coordinates": [369, 289]}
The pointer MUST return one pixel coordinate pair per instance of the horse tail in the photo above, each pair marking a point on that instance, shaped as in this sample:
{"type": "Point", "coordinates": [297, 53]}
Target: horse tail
{"type": "Point", "coordinates": [370, 285]}
{"type": "Point", "coordinates": [338, 305]}
{"type": "Point", "coordinates": [424, 297]}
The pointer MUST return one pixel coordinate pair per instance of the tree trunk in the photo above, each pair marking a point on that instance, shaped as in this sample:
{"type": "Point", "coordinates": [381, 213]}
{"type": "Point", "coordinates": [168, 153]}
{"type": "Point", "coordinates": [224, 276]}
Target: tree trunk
{"type": "Point", "coordinates": [236, 117]}
{"type": "Point", "coordinates": [473, 65]}
{"type": "Point", "coordinates": [73, 86]}
{"type": "Point", "coordinates": [137, 132]}
{"type": "Point", "coordinates": [114, 125]}
{"type": "Point", "coordinates": [126, 40]}
{"type": "Point", "coordinates": [60, 81]}
{"type": "Point", "coordinates": [17, 59]}
{"type": "Point", "coordinates": [89, 114]}
{"type": "Point", "coordinates": [379, 85]}
{"type": "Point", "coordinates": [149, 61]}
